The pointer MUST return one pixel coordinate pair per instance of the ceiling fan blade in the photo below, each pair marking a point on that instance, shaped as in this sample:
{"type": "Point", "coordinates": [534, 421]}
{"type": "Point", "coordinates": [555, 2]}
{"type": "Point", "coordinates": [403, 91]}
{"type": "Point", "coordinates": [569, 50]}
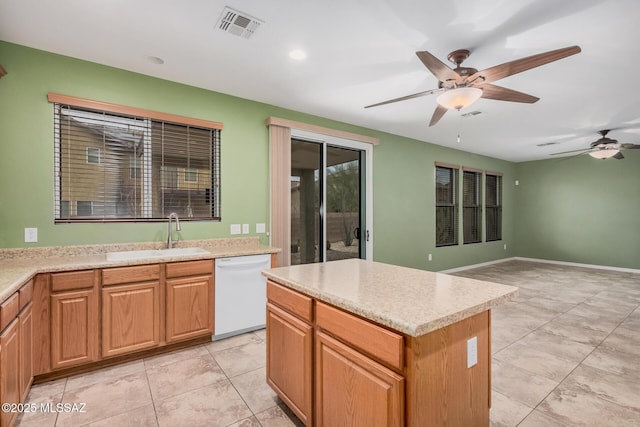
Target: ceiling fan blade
{"type": "Point", "coordinates": [499, 93]}
{"type": "Point", "coordinates": [437, 67]}
{"type": "Point", "coordinates": [572, 151]}
{"type": "Point", "coordinates": [404, 98]}
{"type": "Point", "coordinates": [618, 156]}
{"type": "Point", "coordinates": [437, 115]}
{"type": "Point", "coordinates": [631, 146]}
{"type": "Point", "coordinates": [523, 64]}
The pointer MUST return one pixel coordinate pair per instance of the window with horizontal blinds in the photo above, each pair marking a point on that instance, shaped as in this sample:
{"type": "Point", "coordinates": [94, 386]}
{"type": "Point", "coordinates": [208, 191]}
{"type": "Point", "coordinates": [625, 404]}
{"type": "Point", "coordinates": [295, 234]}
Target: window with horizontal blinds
{"type": "Point", "coordinates": [446, 206]}
{"type": "Point", "coordinates": [472, 206]}
{"type": "Point", "coordinates": [118, 167]}
{"type": "Point", "coordinates": [493, 209]}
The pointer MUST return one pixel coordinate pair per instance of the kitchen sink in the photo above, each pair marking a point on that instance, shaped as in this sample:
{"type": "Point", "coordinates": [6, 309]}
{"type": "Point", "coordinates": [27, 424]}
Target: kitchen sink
{"type": "Point", "coordinates": [154, 253]}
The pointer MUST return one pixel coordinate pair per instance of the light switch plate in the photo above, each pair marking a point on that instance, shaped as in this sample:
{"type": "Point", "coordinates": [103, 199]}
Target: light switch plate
{"type": "Point", "coordinates": [261, 227]}
{"type": "Point", "coordinates": [245, 228]}
{"type": "Point", "coordinates": [235, 229]}
{"type": "Point", "coordinates": [30, 235]}
{"type": "Point", "coordinates": [472, 352]}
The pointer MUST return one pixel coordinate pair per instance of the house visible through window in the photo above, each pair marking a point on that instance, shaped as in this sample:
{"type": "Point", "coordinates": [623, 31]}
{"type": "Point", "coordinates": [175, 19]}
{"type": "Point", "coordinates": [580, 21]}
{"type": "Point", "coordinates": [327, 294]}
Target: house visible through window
{"type": "Point", "coordinates": [136, 164]}
{"type": "Point", "coordinates": [135, 167]}
{"type": "Point", "coordinates": [472, 206]}
{"type": "Point", "coordinates": [93, 155]}
{"type": "Point", "coordinates": [446, 206]}
{"type": "Point", "coordinates": [493, 202]}
{"type": "Point", "coordinates": [191, 175]}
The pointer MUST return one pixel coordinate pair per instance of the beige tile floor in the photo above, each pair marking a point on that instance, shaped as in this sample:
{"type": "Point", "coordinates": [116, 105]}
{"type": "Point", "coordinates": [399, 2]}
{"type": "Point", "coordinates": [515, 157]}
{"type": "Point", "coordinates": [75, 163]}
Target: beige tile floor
{"type": "Point", "coordinates": [566, 352]}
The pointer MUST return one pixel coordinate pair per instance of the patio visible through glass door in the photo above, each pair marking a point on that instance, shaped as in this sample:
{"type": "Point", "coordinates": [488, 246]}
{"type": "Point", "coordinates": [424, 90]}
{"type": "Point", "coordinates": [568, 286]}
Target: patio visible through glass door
{"type": "Point", "coordinates": [343, 202]}
{"type": "Point", "coordinates": [326, 202]}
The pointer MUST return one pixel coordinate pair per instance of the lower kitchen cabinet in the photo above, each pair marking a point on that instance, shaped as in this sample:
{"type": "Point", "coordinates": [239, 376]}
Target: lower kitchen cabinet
{"type": "Point", "coordinates": [354, 390]}
{"type": "Point", "coordinates": [289, 357]}
{"type": "Point", "coordinates": [16, 351]}
{"type": "Point", "coordinates": [189, 300]}
{"type": "Point", "coordinates": [74, 328]}
{"type": "Point", "coordinates": [130, 318]}
{"type": "Point", "coordinates": [74, 318]}
{"type": "Point", "coordinates": [189, 308]}
{"type": "Point", "coordinates": [26, 350]}
{"type": "Point", "coordinates": [10, 370]}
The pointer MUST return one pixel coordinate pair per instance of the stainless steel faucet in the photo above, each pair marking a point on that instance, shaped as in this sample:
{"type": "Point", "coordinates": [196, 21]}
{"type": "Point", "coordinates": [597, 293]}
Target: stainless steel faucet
{"type": "Point", "coordinates": [170, 241]}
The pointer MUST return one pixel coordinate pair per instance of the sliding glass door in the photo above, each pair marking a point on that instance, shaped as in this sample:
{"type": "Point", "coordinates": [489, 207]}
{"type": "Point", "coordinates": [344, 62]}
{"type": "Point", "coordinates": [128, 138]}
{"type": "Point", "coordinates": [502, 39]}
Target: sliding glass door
{"type": "Point", "coordinates": [328, 202]}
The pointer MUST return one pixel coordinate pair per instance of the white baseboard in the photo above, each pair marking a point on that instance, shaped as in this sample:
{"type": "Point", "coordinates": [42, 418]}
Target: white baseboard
{"type": "Point", "coordinates": [577, 264]}
{"type": "Point", "coordinates": [482, 264]}
{"type": "Point", "coordinates": [545, 261]}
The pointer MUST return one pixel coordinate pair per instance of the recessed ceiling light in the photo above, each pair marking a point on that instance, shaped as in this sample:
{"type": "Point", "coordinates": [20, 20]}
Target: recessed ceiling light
{"type": "Point", "coordinates": [298, 54]}
{"type": "Point", "coordinates": [156, 60]}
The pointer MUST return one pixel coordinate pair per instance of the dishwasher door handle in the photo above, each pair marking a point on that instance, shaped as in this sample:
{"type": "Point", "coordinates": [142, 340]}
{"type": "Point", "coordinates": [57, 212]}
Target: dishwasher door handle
{"type": "Point", "coordinates": [232, 263]}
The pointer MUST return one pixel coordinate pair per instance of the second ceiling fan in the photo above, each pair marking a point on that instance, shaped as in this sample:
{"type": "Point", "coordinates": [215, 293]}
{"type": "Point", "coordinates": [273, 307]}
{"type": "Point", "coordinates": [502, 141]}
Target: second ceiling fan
{"type": "Point", "coordinates": [461, 86]}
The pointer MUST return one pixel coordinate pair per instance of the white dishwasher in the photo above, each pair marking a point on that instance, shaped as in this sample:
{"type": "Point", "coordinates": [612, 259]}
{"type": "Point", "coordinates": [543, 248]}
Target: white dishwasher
{"type": "Point", "coordinates": [240, 294]}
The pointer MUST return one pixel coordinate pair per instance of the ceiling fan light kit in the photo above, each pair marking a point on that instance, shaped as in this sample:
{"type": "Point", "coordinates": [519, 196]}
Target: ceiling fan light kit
{"type": "Point", "coordinates": [461, 86]}
{"type": "Point", "coordinates": [604, 153]}
{"type": "Point", "coordinates": [459, 98]}
{"type": "Point", "coordinates": [604, 148]}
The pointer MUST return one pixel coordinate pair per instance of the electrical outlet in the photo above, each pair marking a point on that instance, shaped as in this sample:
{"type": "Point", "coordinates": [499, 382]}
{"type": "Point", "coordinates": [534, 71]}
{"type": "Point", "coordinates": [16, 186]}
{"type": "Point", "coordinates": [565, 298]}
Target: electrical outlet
{"type": "Point", "coordinates": [261, 227]}
{"type": "Point", "coordinates": [30, 235]}
{"type": "Point", "coordinates": [235, 229]}
{"type": "Point", "coordinates": [472, 351]}
{"type": "Point", "coordinates": [505, 246]}
{"type": "Point", "coordinates": [245, 228]}
{"type": "Point", "coordinates": [430, 257]}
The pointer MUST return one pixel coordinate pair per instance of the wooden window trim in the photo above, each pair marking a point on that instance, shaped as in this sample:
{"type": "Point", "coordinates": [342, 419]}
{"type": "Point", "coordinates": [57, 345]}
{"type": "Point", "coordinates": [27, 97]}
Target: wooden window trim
{"type": "Point", "coordinates": [446, 165]}
{"type": "Point", "coordinates": [493, 173]}
{"type": "Point", "coordinates": [469, 169]}
{"type": "Point", "coordinates": [292, 124]}
{"type": "Point", "coordinates": [131, 111]}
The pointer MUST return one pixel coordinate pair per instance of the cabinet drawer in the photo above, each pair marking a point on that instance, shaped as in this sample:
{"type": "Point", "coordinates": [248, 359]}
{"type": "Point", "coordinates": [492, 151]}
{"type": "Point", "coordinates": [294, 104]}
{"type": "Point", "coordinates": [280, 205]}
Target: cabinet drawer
{"type": "Point", "coordinates": [290, 300]}
{"type": "Point", "coordinates": [9, 310]}
{"type": "Point", "coordinates": [139, 273]}
{"type": "Point", "coordinates": [189, 268]}
{"type": "Point", "coordinates": [71, 280]}
{"type": "Point", "coordinates": [26, 294]}
{"type": "Point", "coordinates": [385, 345]}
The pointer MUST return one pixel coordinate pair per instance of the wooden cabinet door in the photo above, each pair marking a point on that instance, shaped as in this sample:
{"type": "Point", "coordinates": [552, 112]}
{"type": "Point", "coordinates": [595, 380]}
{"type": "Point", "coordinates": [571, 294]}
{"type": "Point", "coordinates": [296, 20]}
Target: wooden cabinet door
{"type": "Point", "coordinates": [26, 350]}
{"type": "Point", "coordinates": [130, 318]}
{"type": "Point", "coordinates": [9, 369]}
{"type": "Point", "coordinates": [353, 390]}
{"type": "Point", "coordinates": [289, 361]}
{"type": "Point", "coordinates": [189, 308]}
{"type": "Point", "coordinates": [74, 328]}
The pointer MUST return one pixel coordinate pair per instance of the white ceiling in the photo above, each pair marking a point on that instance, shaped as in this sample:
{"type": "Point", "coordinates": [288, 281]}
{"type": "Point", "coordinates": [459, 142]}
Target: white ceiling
{"type": "Point", "coordinates": [363, 52]}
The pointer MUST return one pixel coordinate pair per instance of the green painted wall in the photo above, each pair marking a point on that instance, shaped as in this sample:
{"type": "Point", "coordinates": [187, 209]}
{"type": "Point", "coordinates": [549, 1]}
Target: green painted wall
{"type": "Point", "coordinates": [580, 209]}
{"type": "Point", "coordinates": [403, 168]}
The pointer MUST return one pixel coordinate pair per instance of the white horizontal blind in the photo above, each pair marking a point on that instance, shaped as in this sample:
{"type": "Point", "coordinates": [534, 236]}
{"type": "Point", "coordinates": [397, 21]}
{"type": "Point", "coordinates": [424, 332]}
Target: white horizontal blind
{"type": "Point", "coordinates": [114, 167]}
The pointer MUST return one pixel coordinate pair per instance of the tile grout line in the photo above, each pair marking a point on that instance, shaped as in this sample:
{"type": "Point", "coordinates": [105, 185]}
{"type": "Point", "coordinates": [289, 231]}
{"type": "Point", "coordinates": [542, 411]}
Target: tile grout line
{"type": "Point", "coordinates": [578, 365]}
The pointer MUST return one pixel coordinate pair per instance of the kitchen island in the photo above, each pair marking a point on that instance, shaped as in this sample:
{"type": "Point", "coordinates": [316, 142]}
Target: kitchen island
{"type": "Point", "coordinates": [360, 343]}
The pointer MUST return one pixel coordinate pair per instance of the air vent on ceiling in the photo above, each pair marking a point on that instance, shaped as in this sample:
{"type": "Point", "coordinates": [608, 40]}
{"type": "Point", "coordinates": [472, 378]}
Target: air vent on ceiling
{"type": "Point", "coordinates": [544, 144]}
{"type": "Point", "coordinates": [472, 113]}
{"type": "Point", "coordinates": [238, 23]}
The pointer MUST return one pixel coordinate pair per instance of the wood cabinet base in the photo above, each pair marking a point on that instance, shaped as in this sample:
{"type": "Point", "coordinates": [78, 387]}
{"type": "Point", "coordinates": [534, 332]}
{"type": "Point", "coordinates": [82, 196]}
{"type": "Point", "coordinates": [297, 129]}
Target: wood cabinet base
{"type": "Point", "coordinates": [365, 375]}
{"type": "Point", "coordinates": [63, 373]}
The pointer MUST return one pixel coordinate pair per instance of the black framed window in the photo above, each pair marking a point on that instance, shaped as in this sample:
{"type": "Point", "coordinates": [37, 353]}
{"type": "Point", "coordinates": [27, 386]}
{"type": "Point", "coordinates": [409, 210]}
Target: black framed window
{"type": "Point", "coordinates": [446, 206]}
{"type": "Point", "coordinates": [493, 210]}
{"type": "Point", "coordinates": [117, 167]}
{"type": "Point", "coordinates": [472, 206]}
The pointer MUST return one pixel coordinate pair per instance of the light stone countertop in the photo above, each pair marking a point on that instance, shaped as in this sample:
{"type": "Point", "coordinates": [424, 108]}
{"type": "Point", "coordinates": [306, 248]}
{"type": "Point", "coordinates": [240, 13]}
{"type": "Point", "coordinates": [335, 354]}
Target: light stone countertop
{"type": "Point", "coordinates": [19, 265]}
{"type": "Point", "coordinates": [407, 300]}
